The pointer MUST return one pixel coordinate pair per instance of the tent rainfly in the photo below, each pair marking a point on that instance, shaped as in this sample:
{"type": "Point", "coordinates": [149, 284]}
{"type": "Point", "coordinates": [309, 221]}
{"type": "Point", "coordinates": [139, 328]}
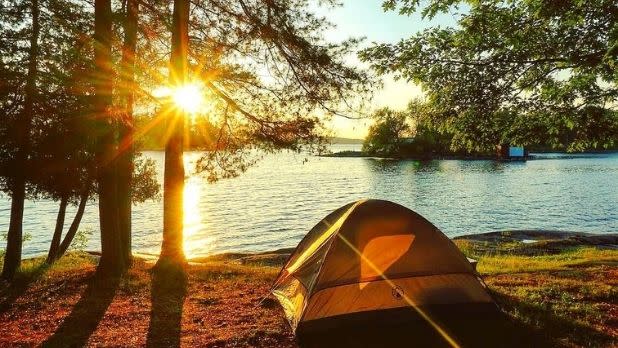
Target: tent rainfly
{"type": "Point", "coordinates": [373, 260]}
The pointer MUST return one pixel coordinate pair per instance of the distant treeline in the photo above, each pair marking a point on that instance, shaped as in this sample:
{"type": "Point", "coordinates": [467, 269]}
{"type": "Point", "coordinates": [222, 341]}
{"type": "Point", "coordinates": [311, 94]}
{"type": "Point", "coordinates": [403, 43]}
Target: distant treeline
{"type": "Point", "coordinates": [418, 133]}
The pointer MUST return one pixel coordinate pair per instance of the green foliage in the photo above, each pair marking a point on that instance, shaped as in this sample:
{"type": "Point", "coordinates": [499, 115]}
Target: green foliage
{"type": "Point", "coordinates": [514, 71]}
{"type": "Point", "coordinates": [408, 134]}
{"type": "Point", "coordinates": [235, 43]}
{"type": "Point", "coordinates": [80, 241]}
{"type": "Point", "coordinates": [3, 235]}
{"type": "Point", "coordinates": [27, 236]}
{"type": "Point", "coordinates": [144, 183]}
{"type": "Point", "coordinates": [61, 60]}
{"type": "Point", "coordinates": [386, 135]}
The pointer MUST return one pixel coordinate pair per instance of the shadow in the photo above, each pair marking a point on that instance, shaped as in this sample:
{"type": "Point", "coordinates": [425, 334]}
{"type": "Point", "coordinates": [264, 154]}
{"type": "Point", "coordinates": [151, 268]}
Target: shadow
{"type": "Point", "coordinates": [398, 329]}
{"type": "Point", "coordinates": [11, 291]}
{"type": "Point", "coordinates": [83, 320]}
{"type": "Point", "coordinates": [552, 328]}
{"type": "Point", "coordinates": [169, 288]}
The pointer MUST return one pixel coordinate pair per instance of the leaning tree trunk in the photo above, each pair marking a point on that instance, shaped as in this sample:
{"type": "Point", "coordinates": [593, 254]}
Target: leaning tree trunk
{"type": "Point", "coordinates": [68, 238]}
{"type": "Point", "coordinates": [173, 181]}
{"type": "Point", "coordinates": [12, 257]}
{"type": "Point", "coordinates": [52, 255]}
{"type": "Point", "coordinates": [125, 156]}
{"type": "Point", "coordinates": [112, 260]}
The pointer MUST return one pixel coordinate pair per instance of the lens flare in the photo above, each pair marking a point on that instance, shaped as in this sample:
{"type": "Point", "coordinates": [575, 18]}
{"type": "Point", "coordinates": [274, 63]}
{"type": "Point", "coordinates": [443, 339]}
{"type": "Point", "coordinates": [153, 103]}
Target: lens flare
{"type": "Point", "coordinates": [188, 98]}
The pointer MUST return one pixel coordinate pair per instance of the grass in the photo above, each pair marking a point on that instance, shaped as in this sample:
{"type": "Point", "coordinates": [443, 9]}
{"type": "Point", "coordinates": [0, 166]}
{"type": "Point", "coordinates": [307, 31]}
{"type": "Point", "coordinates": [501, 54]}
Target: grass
{"type": "Point", "coordinates": [508, 259]}
{"type": "Point", "coordinates": [212, 304]}
{"type": "Point", "coordinates": [568, 296]}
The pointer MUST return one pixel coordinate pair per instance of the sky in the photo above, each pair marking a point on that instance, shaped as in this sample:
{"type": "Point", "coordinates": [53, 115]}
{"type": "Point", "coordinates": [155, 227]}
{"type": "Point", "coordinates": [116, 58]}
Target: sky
{"type": "Point", "coordinates": [365, 18]}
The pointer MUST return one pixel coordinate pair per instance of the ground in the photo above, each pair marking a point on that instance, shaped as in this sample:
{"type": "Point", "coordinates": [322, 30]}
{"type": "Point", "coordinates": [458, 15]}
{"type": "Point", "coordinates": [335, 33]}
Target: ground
{"type": "Point", "coordinates": [564, 290]}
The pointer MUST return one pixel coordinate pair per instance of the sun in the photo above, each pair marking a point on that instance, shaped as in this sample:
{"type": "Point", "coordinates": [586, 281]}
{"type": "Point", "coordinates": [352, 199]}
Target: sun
{"type": "Point", "coordinates": [188, 98]}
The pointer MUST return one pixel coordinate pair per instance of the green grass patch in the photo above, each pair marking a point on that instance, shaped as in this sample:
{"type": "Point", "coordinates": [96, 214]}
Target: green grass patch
{"type": "Point", "coordinates": [569, 258]}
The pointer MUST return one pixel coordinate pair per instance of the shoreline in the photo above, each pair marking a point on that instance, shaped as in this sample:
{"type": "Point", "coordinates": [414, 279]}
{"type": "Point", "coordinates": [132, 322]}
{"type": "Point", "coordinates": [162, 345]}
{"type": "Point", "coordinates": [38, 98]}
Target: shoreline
{"type": "Point", "coordinates": [536, 155]}
{"type": "Point", "coordinates": [529, 237]}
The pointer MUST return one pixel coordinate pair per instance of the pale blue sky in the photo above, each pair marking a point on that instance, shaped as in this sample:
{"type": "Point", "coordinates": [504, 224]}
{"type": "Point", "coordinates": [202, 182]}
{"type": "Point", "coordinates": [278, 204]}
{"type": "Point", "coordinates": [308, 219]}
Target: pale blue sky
{"type": "Point", "coordinates": [365, 18]}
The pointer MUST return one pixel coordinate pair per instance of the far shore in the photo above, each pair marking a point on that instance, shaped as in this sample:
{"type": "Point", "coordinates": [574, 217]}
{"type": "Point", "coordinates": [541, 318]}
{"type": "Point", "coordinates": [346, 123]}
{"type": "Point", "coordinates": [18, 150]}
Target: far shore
{"type": "Point", "coordinates": [535, 155]}
{"type": "Point", "coordinates": [360, 154]}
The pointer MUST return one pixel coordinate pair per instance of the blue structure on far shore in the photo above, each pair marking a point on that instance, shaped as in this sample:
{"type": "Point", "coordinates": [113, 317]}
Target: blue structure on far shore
{"type": "Point", "coordinates": [512, 153]}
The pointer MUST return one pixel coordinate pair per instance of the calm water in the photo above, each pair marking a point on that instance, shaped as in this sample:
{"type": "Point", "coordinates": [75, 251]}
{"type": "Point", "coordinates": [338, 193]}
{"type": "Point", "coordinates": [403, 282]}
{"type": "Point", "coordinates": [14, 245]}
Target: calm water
{"type": "Point", "coordinates": [276, 202]}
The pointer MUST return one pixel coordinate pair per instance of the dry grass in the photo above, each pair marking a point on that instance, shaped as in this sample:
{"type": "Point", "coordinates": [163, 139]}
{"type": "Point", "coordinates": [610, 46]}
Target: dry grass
{"type": "Point", "coordinates": [212, 305]}
{"type": "Point", "coordinates": [570, 297]}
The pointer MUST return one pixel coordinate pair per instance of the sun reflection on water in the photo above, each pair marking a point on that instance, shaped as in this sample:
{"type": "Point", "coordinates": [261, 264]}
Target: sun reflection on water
{"type": "Point", "coordinates": [195, 243]}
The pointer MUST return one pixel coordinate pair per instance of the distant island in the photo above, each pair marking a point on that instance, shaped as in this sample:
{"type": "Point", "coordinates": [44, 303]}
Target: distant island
{"type": "Point", "coordinates": [362, 154]}
{"type": "Point", "coordinates": [340, 140]}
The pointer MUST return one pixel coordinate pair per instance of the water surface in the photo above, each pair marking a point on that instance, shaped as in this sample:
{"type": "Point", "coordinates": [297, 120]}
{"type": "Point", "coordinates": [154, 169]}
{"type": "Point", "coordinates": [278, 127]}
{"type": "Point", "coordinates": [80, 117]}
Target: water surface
{"type": "Point", "coordinates": [277, 201]}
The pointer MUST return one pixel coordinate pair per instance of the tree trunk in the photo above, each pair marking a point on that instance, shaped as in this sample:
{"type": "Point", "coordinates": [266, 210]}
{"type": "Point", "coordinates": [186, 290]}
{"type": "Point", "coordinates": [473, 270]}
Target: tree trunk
{"type": "Point", "coordinates": [173, 181]}
{"type": "Point", "coordinates": [52, 255]}
{"type": "Point", "coordinates": [112, 261]}
{"type": "Point", "coordinates": [126, 128]}
{"type": "Point", "coordinates": [68, 238]}
{"type": "Point", "coordinates": [12, 257]}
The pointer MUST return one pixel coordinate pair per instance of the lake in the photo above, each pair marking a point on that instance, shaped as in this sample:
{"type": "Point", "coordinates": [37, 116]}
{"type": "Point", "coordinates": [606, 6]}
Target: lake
{"type": "Point", "coordinates": [278, 200]}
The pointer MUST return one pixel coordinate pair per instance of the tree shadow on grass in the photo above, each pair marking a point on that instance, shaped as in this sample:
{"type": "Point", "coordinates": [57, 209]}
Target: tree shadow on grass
{"type": "Point", "coordinates": [169, 288]}
{"type": "Point", "coordinates": [83, 320]}
{"type": "Point", "coordinates": [11, 291]}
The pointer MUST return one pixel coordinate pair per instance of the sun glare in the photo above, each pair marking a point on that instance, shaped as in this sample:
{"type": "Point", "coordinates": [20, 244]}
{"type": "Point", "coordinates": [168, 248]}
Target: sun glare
{"type": "Point", "coordinates": [188, 98]}
{"type": "Point", "coordinates": [196, 241]}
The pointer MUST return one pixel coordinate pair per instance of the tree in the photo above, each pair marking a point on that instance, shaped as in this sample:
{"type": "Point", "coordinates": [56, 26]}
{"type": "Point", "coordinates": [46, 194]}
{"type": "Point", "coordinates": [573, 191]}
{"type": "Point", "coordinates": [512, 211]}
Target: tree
{"type": "Point", "coordinates": [58, 151]}
{"type": "Point", "coordinates": [268, 76]}
{"type": "Point", "coordinates": [429, 139]}
{"type": "Point", "coordinates": [63, 156]}
{"type": "Point", "coordinates": [112, 261]}
{"type": "Point", "coordinates": [65, 162]}
{"type": "Point", "coordinates": [126, 127]}
{"type": "Point", "coordinates": [174, 176]}
{"type": "Point", "coordinates": [387, 135]}
{"type": "Point", "coordinates": [16, 176]}
{"type": "Point", "coordinates": [144, 187]}
{"type": "Point", "coordinates": [512, 68]}
{"type": "Point", "coordinates": [264, 66]}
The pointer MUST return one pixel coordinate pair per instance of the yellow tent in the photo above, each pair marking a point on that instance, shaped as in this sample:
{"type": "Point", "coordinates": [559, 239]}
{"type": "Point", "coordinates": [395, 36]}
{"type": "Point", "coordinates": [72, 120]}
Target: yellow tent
{"type": "Point", "coordinates": [372, 260]}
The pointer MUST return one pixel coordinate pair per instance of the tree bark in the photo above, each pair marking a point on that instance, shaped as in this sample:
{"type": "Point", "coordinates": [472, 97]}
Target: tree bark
{"type": "Point", "coordinates": [173, 181]}
{"type": "Point", "coordinates": [68, 238]}
{"type": "Point", "coordinates": [126, 128]}
{"type": "Point", "coordinates": [112, 261]}
{"type": "Point", "coordinates": [12, 257]}
{"type": "Point", "coordinates": [52, 255]}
